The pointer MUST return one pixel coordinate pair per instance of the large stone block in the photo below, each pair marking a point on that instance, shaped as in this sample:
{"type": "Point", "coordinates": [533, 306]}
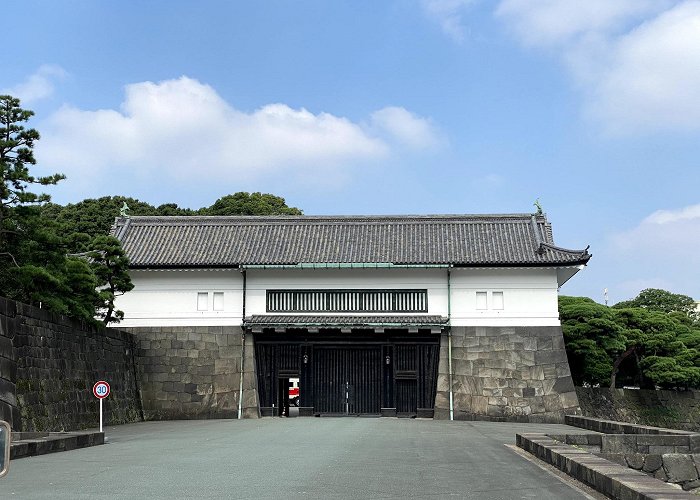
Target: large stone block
{"type": "Point", "coordinates": [679, 468]}
{"type": "Point", "coordinates": [516, 367]}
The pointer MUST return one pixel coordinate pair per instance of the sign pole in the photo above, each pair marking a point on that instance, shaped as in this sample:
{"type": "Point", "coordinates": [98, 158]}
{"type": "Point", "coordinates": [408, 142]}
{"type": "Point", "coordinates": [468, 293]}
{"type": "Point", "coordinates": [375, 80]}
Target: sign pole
{"type": "Point", "coordinates": [101, 391]}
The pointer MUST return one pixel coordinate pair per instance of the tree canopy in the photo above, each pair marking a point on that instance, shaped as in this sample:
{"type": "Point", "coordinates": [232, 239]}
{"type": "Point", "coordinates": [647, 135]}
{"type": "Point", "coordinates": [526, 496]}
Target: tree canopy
{"type": "Point", "coordinates": [630, 345]}
{"type": "Point", "coordinates": [94, 217]}
{"type": "Point", "coordinates": [111, 268]}
{"type": "Point", "coordinates": [250, 204]}
{"type": "Point", "coordinates": [16, 154]}
{"type": "Point", "coordinates": [34, 265]}
{"type": "Point", "coordinates": [655, 299]}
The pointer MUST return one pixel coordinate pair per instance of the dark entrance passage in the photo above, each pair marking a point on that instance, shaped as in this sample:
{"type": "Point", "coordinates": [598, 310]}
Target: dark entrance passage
{"type": "Point", "coordinates": [363, 373]}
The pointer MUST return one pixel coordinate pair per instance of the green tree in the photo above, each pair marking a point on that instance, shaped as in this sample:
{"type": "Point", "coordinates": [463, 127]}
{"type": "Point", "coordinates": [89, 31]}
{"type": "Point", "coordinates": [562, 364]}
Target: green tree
{"type": "Point", "coordinates": [93, 217]}
{"type": "Point", "coordinates": [111, 267]}
{"type": "Point", "coordinates": [634, 345]}
{"type": "Point", "coordinates": [45, 276]}
{"type": "Point", "coordinates": [243, 203]}
{"type": "Point", "coordinates": [16, 154]}
{"type": "Point", "coordinates": [661, 350]}
{"type": "Point", "coordinates": [593, 339]}
{"type": "Point", "coordinates": [82, 283]}
{"type": "Point", "coordinates": [655, 299]}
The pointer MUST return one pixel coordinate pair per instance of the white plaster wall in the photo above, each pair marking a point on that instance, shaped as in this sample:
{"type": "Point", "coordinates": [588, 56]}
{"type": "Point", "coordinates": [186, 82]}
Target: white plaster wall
{"type": "Point", "coordinates": [530, 297]}
{"type": "Point", "coordinates": [169, 298]}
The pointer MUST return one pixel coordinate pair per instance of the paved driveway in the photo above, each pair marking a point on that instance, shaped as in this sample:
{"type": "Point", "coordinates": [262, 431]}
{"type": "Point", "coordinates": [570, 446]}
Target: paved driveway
{"type": "Point", "coordinates": [293, 458]}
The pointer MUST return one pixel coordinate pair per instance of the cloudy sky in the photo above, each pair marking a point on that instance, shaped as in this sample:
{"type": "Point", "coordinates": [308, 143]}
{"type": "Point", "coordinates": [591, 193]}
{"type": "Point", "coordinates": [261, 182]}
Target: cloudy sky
{"type": "Point", "coordinates": [393, 107]}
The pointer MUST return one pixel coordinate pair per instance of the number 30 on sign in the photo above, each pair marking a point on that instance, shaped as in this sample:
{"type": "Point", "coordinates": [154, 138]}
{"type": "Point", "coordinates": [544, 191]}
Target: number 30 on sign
{"type": "Point", "coordinates": [100, 389]}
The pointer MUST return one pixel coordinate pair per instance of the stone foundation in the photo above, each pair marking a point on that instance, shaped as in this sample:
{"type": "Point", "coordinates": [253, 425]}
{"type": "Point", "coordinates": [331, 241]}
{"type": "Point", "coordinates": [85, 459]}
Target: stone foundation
{"type": "Point", "coordinates": [194, 372]}
{"type": "Point", "coordinates": [506, 374]}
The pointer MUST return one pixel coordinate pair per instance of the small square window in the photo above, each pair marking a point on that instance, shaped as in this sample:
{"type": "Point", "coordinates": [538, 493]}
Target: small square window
{"type": "Point", "coordinates": [497, 300]}
{"type": "Point", "coordinates": [203, 301]}
{"type": "Point", "coordinates": [218, 301]}
{"type": "Point", "coordinates": [481, 300]}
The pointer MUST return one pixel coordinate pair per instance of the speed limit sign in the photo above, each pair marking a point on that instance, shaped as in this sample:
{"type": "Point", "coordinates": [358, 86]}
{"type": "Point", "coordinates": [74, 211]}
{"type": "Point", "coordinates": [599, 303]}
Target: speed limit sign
{"type": "Point", "coordinates": [100, 389]}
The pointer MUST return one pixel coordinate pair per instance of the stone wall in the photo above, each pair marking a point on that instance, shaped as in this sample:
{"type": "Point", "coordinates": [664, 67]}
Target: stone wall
{"type": "Point", "coordinates": [9, 411]}
{"type": "Point", "coordinates": [670, 455]}
{"type": "Point", "coordinates": [611, 479]}
{"type": "Point", "coordinates": [194, 372]}
{"type": "Point", "coordinates": [674, 409]}
{"type": "Point", "coordinates": [506, 373]}
{"type": "Point", "coordinates": [49, 363]}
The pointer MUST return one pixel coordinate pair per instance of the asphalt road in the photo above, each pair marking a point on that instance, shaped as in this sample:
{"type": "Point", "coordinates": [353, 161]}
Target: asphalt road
{"type": "Point", "coordinates": [328, 458]}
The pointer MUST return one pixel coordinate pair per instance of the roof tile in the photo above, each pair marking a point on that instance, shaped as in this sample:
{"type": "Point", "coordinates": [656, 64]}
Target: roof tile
{"type": "Point", "coordinates": [462, 240]}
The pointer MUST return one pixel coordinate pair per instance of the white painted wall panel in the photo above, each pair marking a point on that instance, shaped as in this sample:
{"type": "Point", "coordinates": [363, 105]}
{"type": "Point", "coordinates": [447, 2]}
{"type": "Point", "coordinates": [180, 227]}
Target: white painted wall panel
{"type": "Point", "coordinates": [529, 297]}
{"type": "Point", "coordinates": [169, 298]}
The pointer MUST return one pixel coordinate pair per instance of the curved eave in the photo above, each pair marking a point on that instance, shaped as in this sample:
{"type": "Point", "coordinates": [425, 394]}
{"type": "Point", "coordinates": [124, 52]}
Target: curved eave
{"type": "Point", "coordinates": [262, 321]}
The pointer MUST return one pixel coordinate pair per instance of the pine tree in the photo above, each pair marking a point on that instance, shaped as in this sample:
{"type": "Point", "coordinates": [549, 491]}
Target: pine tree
{"type": "Point", "coordinates": [16, 154]}
{"type": "Point", "coordinates": [111, 267]}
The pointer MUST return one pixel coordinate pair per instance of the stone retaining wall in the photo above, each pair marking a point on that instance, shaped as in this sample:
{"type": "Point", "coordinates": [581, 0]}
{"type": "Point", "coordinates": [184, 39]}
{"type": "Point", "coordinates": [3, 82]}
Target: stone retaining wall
{"type": "Point", "coordinates": [506, 373]}
{"type": "Point", "coordinates": [610, 479]}
{"type": "Point", "coordinates": [669, 455]}
{"type": "Point", "coordinates": [48, 365]}
{"type": "Point", "coordinates": [194, 372]}
{"type": "Point", "coordinates": [9, 411]}
{"type": "Point", "coordinates": [613, 427]}
{"type": "Point", "coordinates": [674, 409]}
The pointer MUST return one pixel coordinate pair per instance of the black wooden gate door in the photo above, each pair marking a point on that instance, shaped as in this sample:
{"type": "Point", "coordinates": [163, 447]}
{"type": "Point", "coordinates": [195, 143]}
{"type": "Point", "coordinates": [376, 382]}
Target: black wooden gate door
{"type": "Point", "coordinates": [370, 377]}
{"type": "Point", "coordinates": [347, 380]}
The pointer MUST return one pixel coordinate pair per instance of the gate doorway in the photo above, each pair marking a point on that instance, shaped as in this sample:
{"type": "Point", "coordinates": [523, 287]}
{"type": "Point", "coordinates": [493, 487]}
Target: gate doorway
{"type": "Point", "coordinates": [365, 373]}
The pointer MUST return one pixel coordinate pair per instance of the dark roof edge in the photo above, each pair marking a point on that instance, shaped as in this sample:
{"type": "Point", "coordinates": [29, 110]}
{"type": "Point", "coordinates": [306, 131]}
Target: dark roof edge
{"type": "Point", "coordinates": [345, 320]}
{"type": "Point", "coordinates": [327, 218]}
{"type": "Point", "coordinates": [581, 261]}
{"type": "Point", "coordinates": [584, 259]}
{"type": "Point", "coordinates": [164, 267]}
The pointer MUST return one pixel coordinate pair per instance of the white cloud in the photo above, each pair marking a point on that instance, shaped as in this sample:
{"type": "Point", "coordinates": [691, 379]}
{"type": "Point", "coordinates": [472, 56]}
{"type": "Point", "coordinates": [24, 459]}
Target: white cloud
{"type": "Point", "coordinates": [661, 251]}
{"type": "Point", "coordinates": [691, 213]}
{"type": "Point", "coordinates": [407, 128]}
{"type": "Point", "coordinates": [652, 80]}
{"type": "Point", "coordinates": [546, 22]}
{"type": "Point", "coordinates": [448, 13]}
{"type": "Point", "coordinates": [185, 129]}
{"type": "Point", "coordinates": [637, 62]}
{"type": "Point", "coordinates": [37, 86]}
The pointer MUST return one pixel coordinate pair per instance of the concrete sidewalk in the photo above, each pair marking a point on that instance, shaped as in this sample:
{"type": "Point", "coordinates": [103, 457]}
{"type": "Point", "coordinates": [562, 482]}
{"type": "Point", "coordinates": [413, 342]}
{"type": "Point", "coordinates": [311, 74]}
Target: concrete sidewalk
{"type": "Point", "coordinates": [294, 458]}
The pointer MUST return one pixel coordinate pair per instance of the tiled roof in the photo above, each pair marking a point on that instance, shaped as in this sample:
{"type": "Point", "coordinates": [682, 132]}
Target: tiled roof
{"type": "Point", "coordinates": [221, 241]}
{"type": "Point", "coordinates": [269, 320]}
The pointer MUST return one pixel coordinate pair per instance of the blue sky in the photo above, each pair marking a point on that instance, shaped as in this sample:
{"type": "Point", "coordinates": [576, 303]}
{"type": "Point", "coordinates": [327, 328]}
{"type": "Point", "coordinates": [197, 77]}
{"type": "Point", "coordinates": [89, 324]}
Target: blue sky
{"type": "Point", "coordinates": [433, 106]}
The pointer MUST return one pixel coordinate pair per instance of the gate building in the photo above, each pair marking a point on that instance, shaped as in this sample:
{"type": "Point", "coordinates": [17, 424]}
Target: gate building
{"type": "Point", "coordinates": [450, 316]}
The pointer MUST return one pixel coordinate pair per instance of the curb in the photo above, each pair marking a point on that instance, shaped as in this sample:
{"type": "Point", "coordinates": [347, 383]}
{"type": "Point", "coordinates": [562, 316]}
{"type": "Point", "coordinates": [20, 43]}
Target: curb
{"type": "Point", "coordinates": [30, 444]}
{"type": "Point", "coordinates": [610, 479]}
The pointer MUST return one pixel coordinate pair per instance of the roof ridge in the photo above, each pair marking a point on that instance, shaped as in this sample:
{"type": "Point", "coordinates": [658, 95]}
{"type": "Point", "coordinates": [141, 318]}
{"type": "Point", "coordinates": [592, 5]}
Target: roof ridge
{"type": "Point", "coordinates": [175, 219]}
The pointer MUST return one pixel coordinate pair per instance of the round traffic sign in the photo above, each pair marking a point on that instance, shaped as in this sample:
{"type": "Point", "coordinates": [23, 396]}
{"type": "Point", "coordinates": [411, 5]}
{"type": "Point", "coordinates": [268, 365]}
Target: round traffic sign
{"type": "Point", "coordinates": [100, 389]}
